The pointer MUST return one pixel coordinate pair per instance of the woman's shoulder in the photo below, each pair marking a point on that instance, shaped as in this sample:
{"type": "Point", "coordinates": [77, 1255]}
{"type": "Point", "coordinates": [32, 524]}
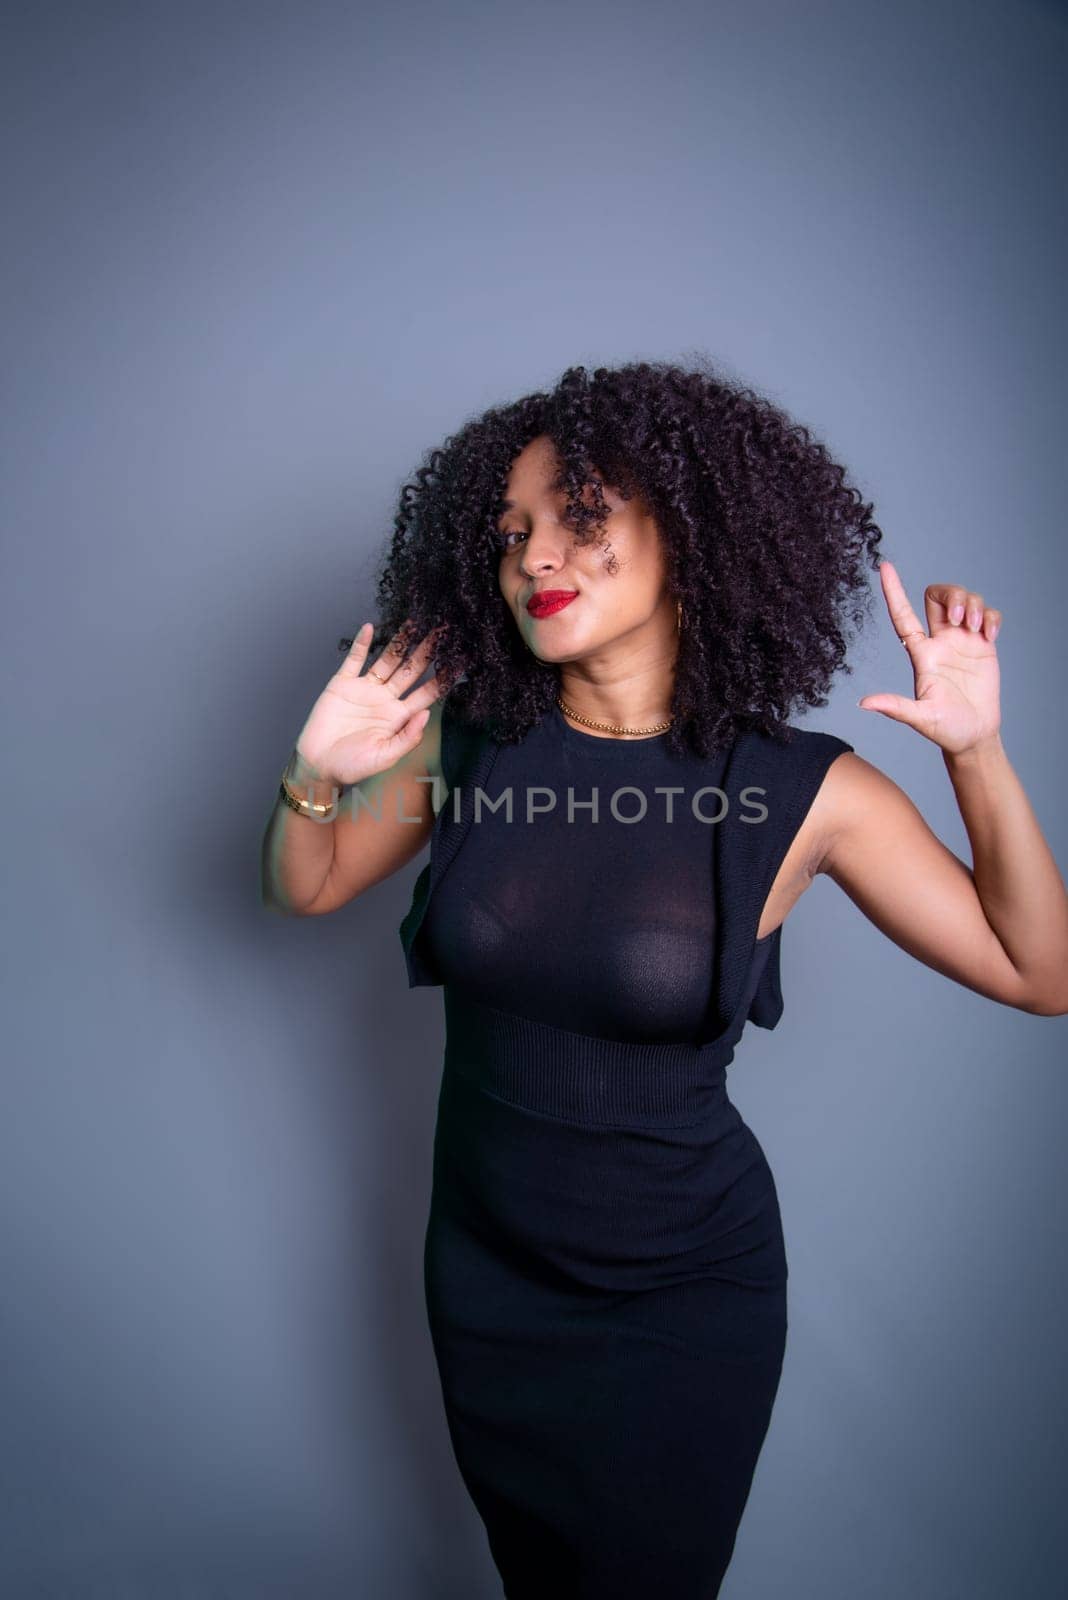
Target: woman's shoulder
{"type": "Point", "coordinates": [787, 769]}
{"type": "Point", "coordinates": [791, 746]}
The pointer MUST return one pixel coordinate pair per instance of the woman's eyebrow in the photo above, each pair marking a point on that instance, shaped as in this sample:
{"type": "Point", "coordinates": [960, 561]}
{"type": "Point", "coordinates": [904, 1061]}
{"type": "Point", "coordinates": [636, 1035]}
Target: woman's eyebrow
{"type": "Point", "coordinates": [511, 505]}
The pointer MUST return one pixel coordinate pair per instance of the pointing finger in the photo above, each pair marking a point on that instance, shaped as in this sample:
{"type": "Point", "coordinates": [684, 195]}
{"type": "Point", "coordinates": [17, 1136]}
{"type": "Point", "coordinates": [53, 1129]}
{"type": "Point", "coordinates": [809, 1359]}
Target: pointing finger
{"type": "Point", "coordinates": [902, 615]}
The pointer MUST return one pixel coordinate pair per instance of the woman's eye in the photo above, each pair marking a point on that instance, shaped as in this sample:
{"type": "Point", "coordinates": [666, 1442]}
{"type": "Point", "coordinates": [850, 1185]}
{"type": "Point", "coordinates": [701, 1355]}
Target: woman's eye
{"type": "Point", "coordinates": [521, 533]}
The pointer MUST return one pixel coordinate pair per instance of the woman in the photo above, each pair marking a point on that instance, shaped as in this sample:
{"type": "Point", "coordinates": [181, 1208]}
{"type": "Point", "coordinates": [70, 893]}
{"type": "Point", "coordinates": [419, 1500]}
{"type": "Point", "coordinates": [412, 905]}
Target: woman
{"type": "Point", "coordinates": [627, 586]}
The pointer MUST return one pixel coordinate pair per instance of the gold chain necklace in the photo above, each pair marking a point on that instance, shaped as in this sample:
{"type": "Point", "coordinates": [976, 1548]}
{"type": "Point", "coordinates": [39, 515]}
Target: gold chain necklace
{"type": "Point", "coordinates": [612, 727]}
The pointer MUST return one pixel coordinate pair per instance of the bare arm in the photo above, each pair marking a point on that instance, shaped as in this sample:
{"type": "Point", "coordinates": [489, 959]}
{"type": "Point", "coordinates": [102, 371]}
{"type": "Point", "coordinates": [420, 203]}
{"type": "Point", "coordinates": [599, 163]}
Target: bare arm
{"type": "Point", "coordinates": [310, 868]}
{"type": "Point", "coordinates": [1014, 870]}
{"type": "Point", "coordinates": [999, 927]}
{"type": "Point", "coordinates": [373, 740]}
{"type": "Point", "coordinates": [297, 851]}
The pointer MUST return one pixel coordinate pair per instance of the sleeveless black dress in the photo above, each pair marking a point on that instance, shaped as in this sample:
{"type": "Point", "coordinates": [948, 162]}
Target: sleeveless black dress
{"type": "Point", "coordinates": [605, 1269]}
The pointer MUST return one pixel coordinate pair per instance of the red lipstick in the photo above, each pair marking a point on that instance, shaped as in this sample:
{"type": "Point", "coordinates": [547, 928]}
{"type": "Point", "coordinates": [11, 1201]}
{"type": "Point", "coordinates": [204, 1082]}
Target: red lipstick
{"type": "Point", "coordinates": [550, 601]}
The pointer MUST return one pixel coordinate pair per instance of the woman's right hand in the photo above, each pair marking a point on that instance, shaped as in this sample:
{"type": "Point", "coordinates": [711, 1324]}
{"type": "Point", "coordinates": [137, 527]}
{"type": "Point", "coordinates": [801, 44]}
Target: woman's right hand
{"type": "Point", "coordinates": [360, 725]}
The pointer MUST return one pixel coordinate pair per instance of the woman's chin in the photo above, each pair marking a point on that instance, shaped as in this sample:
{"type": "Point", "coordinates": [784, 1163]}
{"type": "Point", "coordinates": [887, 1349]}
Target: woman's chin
{"type": "Point", "coordinates": [558, 657]}
{"type": "Point", "coordinates": [551, 652]}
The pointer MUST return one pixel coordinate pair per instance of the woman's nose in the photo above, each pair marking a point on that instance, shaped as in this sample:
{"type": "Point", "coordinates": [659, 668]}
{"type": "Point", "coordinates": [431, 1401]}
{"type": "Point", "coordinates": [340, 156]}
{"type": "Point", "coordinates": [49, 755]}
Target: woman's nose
{"type": "Point", "coordinates": [546, 548]}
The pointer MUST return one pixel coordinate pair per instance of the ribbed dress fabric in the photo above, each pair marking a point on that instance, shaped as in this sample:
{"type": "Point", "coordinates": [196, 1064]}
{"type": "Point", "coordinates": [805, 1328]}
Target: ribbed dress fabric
{"type": "Point", "coordinates": [604, 1264]}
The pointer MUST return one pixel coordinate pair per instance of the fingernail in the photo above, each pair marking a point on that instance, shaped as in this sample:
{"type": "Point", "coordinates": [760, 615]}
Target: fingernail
{"type": "Point", "coordinates": [994, 632]}
{"type": "Point", "coordinates": [956, 613]}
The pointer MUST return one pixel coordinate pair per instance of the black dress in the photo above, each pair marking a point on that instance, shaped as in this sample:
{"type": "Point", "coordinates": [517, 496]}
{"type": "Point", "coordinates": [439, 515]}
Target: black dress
{"type": "Point", "coordinates": [605, 1269]}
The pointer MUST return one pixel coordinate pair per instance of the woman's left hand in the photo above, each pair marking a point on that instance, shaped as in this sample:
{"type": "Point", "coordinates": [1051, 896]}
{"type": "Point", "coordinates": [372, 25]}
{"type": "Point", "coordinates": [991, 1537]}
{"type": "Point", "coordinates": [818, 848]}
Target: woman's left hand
{"type": "Point", "coordinates": [955, 666]}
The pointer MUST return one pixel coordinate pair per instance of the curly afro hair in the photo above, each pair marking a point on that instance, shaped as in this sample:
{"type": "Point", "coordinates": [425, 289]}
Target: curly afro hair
{"type": "Point", "coordinates": [766, 546]}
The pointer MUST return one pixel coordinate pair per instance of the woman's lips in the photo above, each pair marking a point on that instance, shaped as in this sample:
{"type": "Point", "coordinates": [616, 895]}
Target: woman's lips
{"type": "Point", "coordinates": [550, 600]}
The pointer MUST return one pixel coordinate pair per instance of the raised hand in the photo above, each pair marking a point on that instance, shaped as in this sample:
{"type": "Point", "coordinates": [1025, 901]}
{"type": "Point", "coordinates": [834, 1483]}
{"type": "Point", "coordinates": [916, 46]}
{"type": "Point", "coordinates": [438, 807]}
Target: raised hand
{"type": "Point", "coordinates": [955, 666]}
{"type": "Point", "coordinates": [360, 725]}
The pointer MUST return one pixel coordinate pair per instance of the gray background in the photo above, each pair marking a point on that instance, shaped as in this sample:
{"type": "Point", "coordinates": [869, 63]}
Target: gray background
{"type": "Point", "coordinates": [258, 258]}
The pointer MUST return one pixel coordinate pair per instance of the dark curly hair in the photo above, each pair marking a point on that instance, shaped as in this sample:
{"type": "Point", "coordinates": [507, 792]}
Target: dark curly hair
{"type": "Point", "coordinates": [766, 545]}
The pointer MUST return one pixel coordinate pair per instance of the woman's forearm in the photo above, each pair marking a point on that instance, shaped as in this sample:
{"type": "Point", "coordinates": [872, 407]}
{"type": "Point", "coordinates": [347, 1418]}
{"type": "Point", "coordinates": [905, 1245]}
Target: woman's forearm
{"type": "Point", "coordinates": [1015, 873]}
{"type": "Point", "coordinates": [297, 851]}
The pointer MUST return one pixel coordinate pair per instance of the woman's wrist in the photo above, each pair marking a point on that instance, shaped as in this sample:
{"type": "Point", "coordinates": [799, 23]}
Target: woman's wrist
{"type": "Point", "coordinates": [988, 752]}
{"type": "Point", "coordinates": [310, 781]}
